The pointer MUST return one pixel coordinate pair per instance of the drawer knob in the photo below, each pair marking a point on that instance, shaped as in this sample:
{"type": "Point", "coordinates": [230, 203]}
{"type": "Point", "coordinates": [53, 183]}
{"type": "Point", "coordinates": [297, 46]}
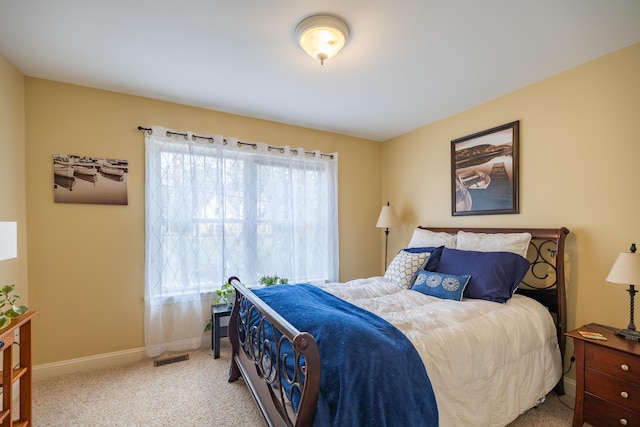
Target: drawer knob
{"type": "Point", "coordinates": [624, 367]}
{"type": "Point", "coordinates": [623, 421]}
{"type": "Point", "coordinates": [624, 394]}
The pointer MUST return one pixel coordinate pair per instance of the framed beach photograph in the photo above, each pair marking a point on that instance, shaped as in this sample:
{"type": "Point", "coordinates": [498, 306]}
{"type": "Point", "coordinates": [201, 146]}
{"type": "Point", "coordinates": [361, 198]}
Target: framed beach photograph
{"type": "Point", "coordinates": [484, 172]}
{"type": "Point", "coordinates": [94, 180]}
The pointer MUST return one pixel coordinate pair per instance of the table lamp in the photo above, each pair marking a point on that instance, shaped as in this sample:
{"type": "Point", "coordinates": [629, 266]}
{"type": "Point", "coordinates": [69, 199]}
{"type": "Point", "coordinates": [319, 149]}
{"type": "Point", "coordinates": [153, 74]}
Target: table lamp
{"type": "Point", "coordinates": [387, 219]}
{"type": "Point", "coordinates": [626, 270]}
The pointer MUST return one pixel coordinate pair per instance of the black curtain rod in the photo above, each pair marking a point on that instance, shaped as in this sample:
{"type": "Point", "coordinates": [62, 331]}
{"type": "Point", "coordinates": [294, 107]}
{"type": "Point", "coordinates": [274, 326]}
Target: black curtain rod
{"type": "Point", "coordinates": [224, 141]}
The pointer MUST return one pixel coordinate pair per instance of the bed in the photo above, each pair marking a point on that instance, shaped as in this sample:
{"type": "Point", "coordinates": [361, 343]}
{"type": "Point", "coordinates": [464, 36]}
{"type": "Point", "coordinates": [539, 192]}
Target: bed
{"type": "Point", "coordinates": [488, 358]}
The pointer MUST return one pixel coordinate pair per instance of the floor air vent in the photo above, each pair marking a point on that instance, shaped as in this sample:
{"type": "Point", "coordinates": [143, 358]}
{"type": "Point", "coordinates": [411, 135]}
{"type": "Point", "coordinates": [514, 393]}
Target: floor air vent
{"type": "Point", "coordinates": [172, 359]}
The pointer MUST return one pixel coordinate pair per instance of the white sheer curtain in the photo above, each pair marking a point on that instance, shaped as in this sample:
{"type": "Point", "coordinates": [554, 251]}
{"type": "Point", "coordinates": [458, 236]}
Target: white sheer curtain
{"type": "Point", "coordinates": [218, 207]}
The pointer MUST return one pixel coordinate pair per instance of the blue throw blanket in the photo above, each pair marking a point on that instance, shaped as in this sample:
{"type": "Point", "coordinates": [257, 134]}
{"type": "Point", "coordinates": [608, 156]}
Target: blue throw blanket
{"type": "Point", "coordinates": [371, 374]}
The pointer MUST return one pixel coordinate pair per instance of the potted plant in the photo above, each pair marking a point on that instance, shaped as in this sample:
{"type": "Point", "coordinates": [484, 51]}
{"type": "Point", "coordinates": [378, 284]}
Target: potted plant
{"type": "Point", "coordinates": [224, 296]}
{"type": "Point", "coordinates": [8, 298]}
{"type": "Point", "coordinates": [273, 280]}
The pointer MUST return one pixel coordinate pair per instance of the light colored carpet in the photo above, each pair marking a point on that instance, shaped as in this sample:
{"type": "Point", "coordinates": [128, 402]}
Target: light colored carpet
{"type": "Point", "coordinates": [189, 393]}
{"type": "Point", "coordinates": [193, 393]}
{"type": "Point", "coordinates": [554, 412]}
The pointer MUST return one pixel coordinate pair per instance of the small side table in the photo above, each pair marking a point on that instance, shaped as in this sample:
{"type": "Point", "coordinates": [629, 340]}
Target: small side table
{"type": "Point", "coordinates": [607, 378]}
{"type": "Point", "coordinates": [217, 331]}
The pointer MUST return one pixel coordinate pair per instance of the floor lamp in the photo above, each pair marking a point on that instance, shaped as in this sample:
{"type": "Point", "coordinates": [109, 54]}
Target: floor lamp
{"type": "Point", "coordinates": [386, 220]}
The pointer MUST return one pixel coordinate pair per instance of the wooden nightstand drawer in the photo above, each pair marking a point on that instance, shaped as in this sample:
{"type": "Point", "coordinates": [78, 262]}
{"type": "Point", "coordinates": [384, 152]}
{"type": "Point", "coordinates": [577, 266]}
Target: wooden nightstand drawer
{"type": "Point", "coordinates": [599, 412]}
{"type": "Point", "coordinates": [612, 362]}
{"type": "Point", "coordinates": [616, 390]}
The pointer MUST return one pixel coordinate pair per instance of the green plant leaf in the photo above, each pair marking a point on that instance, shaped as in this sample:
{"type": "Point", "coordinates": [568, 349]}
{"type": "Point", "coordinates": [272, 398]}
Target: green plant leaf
{"type": "Point", "coordinates": [7, 289]}
{"type": "Point", "coordinates": [273, 280]}
{"type": "Point", "coordinates": [20, 309]}
{"type": "Point", "coordinates": [4, 321]}
{"type": "Point", "coordinates": [11, 314]}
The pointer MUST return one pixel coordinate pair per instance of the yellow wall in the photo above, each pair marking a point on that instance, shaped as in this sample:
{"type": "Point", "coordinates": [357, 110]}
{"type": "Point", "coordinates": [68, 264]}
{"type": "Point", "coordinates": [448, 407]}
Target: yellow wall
{"type": "Point", "coordinates": [12, 173]}
{"type": "Point", "coordinates": [579, 141]}
{"type": "Point", "coordinates": [579, 163]}
{"type": "Point", "coordinates": [86, 262]}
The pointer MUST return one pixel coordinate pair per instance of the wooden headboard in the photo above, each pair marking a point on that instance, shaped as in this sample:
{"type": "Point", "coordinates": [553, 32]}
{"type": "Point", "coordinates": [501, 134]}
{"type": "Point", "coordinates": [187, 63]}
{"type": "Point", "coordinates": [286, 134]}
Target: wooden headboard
{"type": "Point", "coordinates": [545, 280]}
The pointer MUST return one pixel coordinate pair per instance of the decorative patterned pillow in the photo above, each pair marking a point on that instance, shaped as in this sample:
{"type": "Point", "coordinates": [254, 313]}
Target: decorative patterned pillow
{"type": "Point", "coordinates": [403, 269]}
{"type": "Point", "coordinates": [434, 258]}
{"type": "Point", "coordinates": [518, 243]}
{"type": "Point", "coordinates": [441, 285]}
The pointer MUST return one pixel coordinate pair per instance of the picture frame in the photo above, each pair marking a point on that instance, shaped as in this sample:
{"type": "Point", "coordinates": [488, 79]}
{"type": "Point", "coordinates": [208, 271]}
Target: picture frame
{"type": "Point", "coordinates": [485, 172]}
{"type": "Point", "coordinates": [90, 180]}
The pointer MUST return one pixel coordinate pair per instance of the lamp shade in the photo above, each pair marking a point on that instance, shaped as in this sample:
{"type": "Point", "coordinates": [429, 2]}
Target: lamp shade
{"type": "Point", "coordinates": [388, 218]}
{"type": "Point", "coordinates": [8, 240]}
{"type": "Point", "coordinates": [626, 269]}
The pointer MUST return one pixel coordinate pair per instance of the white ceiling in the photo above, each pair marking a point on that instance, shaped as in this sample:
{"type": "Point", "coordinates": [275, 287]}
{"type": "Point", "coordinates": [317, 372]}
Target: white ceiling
{"type": "Point", "coordinates": [408, 62]}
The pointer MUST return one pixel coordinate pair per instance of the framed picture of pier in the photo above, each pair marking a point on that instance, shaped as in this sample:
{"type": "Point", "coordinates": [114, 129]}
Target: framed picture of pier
{"type": "Point", "coordinates": [85, 179]}
{"type": "Point", "coordinates": [484, 172]}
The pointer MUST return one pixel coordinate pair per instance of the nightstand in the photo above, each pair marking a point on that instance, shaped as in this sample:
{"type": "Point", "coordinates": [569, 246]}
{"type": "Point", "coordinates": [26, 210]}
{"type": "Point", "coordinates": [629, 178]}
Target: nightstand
{"type": "Point", "coordinates": [217, 331]}
{"type": "Point", "coordinates": [607, 379]}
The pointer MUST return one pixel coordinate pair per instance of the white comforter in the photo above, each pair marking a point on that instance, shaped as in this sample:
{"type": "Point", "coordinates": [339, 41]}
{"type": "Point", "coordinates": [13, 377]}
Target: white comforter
{"type": "Point", "coordinates": [487, 362]}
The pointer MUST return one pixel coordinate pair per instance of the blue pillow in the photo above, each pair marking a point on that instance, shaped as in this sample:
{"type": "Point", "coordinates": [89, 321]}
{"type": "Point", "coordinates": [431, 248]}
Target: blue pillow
{"type": "Point", "coordinates": [441, 285]}
{"type": "Point", "coordinates": [494, 275]}
{"type": "Point", "coordinates": [434, 258]}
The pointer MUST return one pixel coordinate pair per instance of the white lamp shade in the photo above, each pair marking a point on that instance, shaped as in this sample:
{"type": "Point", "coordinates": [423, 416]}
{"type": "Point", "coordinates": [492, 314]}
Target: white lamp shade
{"type": "Point", "coordinates": [8, 240]}
{"type": "Point", "coordinates": [626, 269]}
{"type": "Point", "coordinates": [388, 218]}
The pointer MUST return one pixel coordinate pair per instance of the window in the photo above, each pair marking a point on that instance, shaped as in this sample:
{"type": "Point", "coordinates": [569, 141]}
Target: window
{"type": "Point", "coordinates": [217, 208]}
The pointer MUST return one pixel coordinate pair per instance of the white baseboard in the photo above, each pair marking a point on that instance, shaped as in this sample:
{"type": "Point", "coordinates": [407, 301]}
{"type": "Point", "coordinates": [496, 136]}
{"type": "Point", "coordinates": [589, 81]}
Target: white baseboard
{"type": "Point", "coordinates": [82, 364]}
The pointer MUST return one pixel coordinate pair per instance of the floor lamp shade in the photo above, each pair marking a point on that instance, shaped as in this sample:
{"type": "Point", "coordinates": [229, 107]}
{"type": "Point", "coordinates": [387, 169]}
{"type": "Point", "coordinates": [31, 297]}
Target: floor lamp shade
{"type": "Point", "coordinates": [388, 218]}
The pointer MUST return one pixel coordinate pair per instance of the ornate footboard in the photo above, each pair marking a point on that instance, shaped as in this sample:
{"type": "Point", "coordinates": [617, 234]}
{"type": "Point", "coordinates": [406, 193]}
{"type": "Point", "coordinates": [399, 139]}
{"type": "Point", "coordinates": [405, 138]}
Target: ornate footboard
{"type": "Point", "coordinates": [280, 364]}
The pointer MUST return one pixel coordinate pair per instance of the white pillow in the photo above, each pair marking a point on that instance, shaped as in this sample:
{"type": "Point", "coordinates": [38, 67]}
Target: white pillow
{"type": "Point", "coordinates": [426, 238]}
{"type": "Point", "coordinates": [518, 243]}
{"type": "Point", "coordinates": [404, 268]}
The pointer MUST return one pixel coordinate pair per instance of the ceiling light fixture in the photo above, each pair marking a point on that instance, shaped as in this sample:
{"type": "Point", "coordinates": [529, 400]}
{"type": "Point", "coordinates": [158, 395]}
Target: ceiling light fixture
{"type": "Point", "coordinates": [321, 36]}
